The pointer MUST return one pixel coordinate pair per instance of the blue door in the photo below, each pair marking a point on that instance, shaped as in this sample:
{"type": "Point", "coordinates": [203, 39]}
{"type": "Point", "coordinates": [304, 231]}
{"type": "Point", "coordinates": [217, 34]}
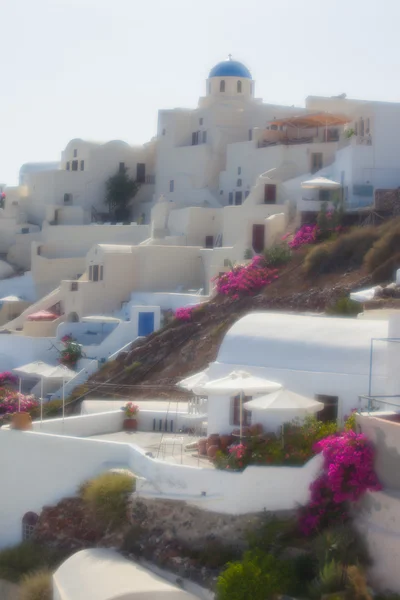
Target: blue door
{"type": "Point", "coordinates": [146, 323]}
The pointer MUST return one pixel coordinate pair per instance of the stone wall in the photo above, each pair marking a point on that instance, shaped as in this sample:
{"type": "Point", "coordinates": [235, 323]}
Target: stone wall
{"type": "Point", "coordinates": [193, 527]}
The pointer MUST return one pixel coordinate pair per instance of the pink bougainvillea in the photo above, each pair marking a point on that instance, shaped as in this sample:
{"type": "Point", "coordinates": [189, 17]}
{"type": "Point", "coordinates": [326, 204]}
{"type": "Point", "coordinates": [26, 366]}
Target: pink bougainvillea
{"type": "Point", "coordinates": [245, 280]}
{"type": "Point", "coordinates": [348, 472]}
{"type": "Point", "coordinates": [307, 234]}
{"type": "Point", "coordinates": [8, 378]}
{"type": "Point", "coordinates": [184, 313]}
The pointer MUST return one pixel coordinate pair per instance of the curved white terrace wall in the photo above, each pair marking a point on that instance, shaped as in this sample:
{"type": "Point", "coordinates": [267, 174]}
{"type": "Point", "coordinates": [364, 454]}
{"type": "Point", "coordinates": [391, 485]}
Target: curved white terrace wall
{"type": "Point", "coordinates": [43, 462]}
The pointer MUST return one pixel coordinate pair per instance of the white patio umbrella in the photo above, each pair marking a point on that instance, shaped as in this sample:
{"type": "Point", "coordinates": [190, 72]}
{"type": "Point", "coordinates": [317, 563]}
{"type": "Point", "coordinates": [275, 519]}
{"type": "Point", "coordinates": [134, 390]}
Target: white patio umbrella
{"type": "Point", "coordinates": [41, 370]}
{"type": "Point", "coordinates": [239, 382]}
{"type": "Point", "coordinates": [320, 183]}
{"type": "Point", "coordinates": [282, 400]}
{"type": "Point", "coordinates": [285, 400]}
{"type": "Point", "coordinates": [196, 380]}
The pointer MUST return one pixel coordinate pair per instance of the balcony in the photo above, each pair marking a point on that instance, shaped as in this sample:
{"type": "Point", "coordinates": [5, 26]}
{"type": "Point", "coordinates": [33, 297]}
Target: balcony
{"type": "Point", "coordinates": [285, 138]}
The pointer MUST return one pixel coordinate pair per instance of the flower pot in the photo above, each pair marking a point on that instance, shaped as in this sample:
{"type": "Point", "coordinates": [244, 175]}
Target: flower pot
{"type": "Point", "coordinates": [202, 446]}
{"type": "Point", "coordinates": [21, 421]}
{"type": "Point", "coordinates": [225, 440]}
{"type": "Point", "coordinates": [213, 440]}
{"type": "Point", "coordinates": [130, 424]}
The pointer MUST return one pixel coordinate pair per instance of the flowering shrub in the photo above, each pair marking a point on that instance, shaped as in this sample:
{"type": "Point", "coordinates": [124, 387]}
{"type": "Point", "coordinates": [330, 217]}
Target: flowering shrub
{"type": "Point", "coordinates": [6, 378]}
{"type": "Point", "coordinates": [12, 400]}
{"type": "Point", "coordinates": [131, 410]}
{"type": "Point", "coordinates": [307, 234]}
{"type": "Point", "coordinates": [245, 279]}
{"type": "Point", "coordinates": [348, 473]}
{"type": "Point", "coordinates": [71, 352]}
{"type": "Point", "coordinates": [184, 313]}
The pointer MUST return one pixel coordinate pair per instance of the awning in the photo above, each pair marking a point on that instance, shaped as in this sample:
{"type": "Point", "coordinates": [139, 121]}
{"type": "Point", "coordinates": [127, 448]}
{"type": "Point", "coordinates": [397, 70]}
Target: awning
{"type": "Point", "coordinates": [40, 369]}
{"type": "Point", "coordinates": [100, 319]}
{"type": "Point", "coordinates": [320, 119]}
{"type": "Point", "coordinates": [43, 315]}
{"type": "Point", "coordinates": [320, 183]}
{"type": "Point", "coordinates": [196, 380]}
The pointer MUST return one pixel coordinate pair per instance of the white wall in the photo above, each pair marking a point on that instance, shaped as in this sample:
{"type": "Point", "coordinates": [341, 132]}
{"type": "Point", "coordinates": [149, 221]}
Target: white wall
{"type": "Point", "coordinates": [255, 489]}
{"type": "Point", "coordinates": [18, 350]}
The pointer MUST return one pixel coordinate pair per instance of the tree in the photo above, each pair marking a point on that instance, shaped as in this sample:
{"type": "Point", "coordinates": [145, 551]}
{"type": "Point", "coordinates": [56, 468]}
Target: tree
{"type": "Point", "coordinates": [120, 189]}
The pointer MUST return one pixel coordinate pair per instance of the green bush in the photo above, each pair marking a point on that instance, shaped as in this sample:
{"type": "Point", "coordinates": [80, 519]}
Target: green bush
{"type": "Point", "coordinates": [342, 544]}
{"type": "Point", "coordinates": [331, 578]}
{"type": "Point", "coordinates": [37, 586]}
{"type": "Point", "coordinates": [347, 252]}
{"type": "Point", "coordinates": [278, 255]}
{"type": "Point", "coordinates": [25, 558]}
{"type": "Point", "coordinates": [383, 249]}
{"type": "Point", "coordinates": [257, 576]}
{"type": "Point", "coordinates": [248, 254]}
{"type": "Point", "coordinates": [107, 497]}
{"type": "Point", "coordinates": [344, 306]}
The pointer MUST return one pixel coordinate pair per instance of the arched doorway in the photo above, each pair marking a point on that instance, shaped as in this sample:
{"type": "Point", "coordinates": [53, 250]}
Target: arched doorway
{"type": "Point", "coordinates": [29, 522]}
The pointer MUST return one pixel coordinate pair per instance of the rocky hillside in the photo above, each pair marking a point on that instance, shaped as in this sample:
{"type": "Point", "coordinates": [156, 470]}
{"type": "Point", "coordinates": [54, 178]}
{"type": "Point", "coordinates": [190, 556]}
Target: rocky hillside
{"type": "Point", "coordinates": [154, 365]}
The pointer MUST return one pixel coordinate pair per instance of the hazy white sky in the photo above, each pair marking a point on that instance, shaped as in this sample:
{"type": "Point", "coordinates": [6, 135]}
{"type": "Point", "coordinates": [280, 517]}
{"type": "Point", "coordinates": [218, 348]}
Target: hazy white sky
{"type": "Point", "coordinates": [100, 69]}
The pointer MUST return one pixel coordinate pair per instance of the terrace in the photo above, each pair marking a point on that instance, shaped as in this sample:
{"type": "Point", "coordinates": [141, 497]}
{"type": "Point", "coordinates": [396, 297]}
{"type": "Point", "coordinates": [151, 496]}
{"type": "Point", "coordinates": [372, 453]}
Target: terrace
{"type": "Point", "coordinates": [304, 129]}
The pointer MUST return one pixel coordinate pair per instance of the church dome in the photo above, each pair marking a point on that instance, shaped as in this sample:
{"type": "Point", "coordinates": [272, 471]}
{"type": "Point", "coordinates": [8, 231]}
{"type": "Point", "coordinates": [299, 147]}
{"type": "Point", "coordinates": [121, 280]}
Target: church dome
{"type": "Point", "coordinates": [230, 68]}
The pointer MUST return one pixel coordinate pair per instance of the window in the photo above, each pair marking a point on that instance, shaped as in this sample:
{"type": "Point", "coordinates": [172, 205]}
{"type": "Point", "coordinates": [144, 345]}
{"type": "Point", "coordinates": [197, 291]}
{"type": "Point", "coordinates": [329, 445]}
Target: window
{"type": "Point", "coordinates": [25, 230]}
{"type": "Point", "coordinates": [239, 170]}
{"type": "Point", "coordinates": [361, 126]}
{"type": "Point", "coordinates": [221, 192]}
{"type": "Point", "coordinates": [274, 127]}
{"type": "Point", "coordinates": [74, 286]}
{"type": "Point", "coordinates": [95, 273]}
{"type": "Point", "coordinates": [67, 166]}
{"type": "Point", "coordinates": [209, 241]}
{"type": "Point", "coordinates": [235, 411]}
{"type": "Point", "coordinates": [91, 273]}
{"type": "Point", "coordinates": [67, 198]}
{"type": "Point", "coordinates": [29, 522]}
{"type": "Point", "coordinates": [330, 412]}
{"type": "Point", "coordinates": [250, 135]}
{"type": "Point", "coordinates": [141, 173]}
{"type": "Point", "coordinates": [195, 138]}
{"type": "Point", "coordinates": [230, 198]}
{"type": "Point", "coordinates": [239, 87]}
{"type": "Point", "coordinates": [247, 193]}
{"type": "Point", "coordinates": [316, 161]}
{"type": "Point", "coordinates": [238, 198]}
{"type": "Point", "coordinates": [201, 121]}
{"type": "Point", "coordinates": [75, 153]}
{"type": "Point", "coordinates": [101, 273]}
{"type": "Point", "coordinates": [367, 126]}
{"type": "Point", "coordinates": [121, 167]}
{"type": "Point", "coordinates": [171, 185]}
{"type": "Point", "coordinates": [269, 193]}
{"type": "Point", "coordinates": [239, 183]}
{"type": "Point", "coordinates": [74, 165]}
{"type": "Point", "coordinates": [164, 131]}
{"type": "Point", "coordinates": [356, 128]}
{"type": "Point", "coordinates": [222, 86]}
{"type": "Point", "coordinates": [324, 195]}
{"type": "Point", "coordinates": [204, 137]}
{"type": "Point", "coordinates": [82, 165]}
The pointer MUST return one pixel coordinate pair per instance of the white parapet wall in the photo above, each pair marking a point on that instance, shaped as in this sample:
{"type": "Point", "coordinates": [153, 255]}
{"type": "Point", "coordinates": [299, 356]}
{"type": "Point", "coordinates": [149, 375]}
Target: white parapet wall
{"type": "Point", "coordinates": [38, 469]}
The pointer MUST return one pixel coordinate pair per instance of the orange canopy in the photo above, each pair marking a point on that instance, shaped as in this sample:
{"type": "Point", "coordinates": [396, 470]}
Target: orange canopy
{"type": "Point", "coordinates": [321, 119]}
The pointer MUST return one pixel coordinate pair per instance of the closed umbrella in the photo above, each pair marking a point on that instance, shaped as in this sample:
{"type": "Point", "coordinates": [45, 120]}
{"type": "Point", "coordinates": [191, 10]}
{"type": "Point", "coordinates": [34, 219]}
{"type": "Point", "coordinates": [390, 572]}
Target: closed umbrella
{"type": "Point", "coordinates": [239, 382]}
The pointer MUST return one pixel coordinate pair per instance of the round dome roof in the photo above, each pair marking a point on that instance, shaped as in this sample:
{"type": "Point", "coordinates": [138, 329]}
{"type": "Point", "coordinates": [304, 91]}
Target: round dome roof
{"type": "Point", "coordinates": [230, 68]}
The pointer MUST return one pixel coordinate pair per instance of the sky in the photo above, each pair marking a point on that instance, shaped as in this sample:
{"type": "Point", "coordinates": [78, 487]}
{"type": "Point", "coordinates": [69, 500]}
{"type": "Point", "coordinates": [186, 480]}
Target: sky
{"type": "Point", "coordinates": [101, 69]}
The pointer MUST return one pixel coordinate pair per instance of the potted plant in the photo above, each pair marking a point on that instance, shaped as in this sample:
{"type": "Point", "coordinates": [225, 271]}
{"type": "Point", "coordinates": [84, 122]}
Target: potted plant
{"type": "Point", "coordinates": [131, 411]}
